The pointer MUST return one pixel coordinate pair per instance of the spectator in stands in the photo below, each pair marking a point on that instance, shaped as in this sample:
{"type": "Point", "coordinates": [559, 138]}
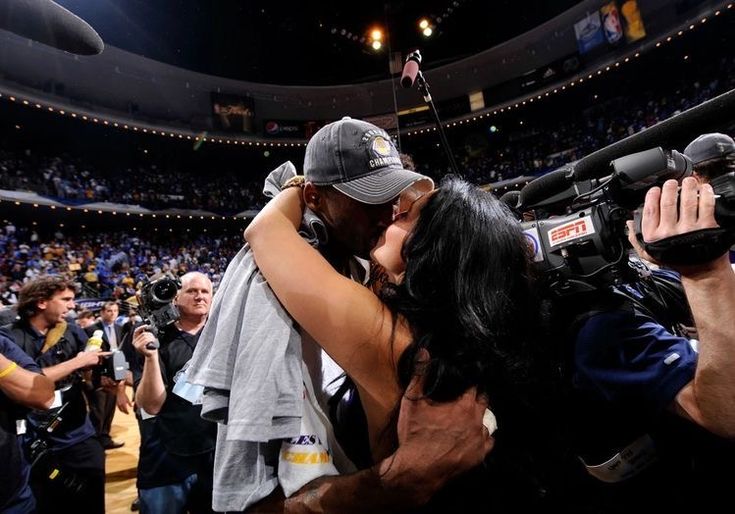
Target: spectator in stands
{"type": "Point", "coordinates": [58, 349]}
{"type": "Point", "coordinates": [22, 386]}
{"type": "Point", "coordinates": [102, 398]}
{"type": "Point", "coordinates": [177, 455]}
{"type": "Point", "coordinates": [472, 319]}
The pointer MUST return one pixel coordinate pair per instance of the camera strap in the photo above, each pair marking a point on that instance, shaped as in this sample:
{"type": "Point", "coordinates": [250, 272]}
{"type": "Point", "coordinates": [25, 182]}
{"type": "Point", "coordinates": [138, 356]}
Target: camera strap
{"type": "Point", "coordinates": [698, 247]}
{"type": "Point", "coordinates": [53, 336]}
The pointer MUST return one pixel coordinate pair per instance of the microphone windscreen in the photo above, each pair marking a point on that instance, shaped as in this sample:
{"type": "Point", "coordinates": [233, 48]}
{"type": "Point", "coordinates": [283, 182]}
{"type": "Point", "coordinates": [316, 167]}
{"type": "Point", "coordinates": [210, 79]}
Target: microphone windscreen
{"type": "Point", "coordinates": [511, 198]}
{"type": "Point", "coordinates": [544, 187]}
{"type": "Point", "coordinates": [49, 23]}
{"type": "Point", "coordinates": [410, 70]}
{"type": "Point", "coordinates": [688, 124]}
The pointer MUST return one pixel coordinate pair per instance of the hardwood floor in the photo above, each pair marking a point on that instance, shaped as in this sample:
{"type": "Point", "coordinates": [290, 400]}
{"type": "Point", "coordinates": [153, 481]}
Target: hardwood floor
{"type": "Point", "coordinates": [121, 464]}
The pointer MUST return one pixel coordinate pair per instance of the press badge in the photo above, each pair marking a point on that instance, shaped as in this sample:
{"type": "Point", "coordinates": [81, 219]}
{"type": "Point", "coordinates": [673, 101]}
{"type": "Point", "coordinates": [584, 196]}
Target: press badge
{"type": "Point", "coordinates": [57, 400]}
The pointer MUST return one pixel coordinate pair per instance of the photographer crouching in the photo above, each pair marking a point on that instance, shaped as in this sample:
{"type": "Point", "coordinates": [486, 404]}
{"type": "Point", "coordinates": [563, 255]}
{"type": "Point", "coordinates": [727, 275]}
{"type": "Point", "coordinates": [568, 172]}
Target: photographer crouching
{"type": "Point", "coordinates": [177, 454]}
{"type": "Point", "coordinates": [67, 459]}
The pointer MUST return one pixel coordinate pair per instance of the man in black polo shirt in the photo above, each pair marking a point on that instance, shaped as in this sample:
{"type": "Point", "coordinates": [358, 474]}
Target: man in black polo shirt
{"type": "Point", "coordinates": [58, 349]}
{"type": "Point", "coordinates": [177, 454]}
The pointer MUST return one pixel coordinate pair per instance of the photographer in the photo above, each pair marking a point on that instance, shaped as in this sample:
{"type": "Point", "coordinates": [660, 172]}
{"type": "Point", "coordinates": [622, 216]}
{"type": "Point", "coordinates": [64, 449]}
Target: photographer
{"type": "Point", "coordinates": [645, 409]}
{"type": "Point", "coordinates": [178, 453]}
{"type": "Point", "coordinates": [22, 385]}
{"type": "Point", "coordinates": [64, 433]}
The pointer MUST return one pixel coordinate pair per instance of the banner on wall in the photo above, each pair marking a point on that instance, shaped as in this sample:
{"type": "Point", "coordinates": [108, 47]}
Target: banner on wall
{"type": "Point", "coordinates": [233, 113]}
{"type": "Point", "coordinates": [589, 32]}
{"type": "Point", "coordinates": [634, 27]}
{"type": "Point", "coordinates": [283, 128]}
{"type": "Point", "coordinates": [611, 23]}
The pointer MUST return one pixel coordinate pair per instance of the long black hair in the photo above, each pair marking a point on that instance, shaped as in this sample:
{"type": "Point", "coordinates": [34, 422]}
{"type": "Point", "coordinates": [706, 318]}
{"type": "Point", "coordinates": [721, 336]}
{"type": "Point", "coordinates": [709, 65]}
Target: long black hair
{"type": "Point", "coordinates": [466, 294]}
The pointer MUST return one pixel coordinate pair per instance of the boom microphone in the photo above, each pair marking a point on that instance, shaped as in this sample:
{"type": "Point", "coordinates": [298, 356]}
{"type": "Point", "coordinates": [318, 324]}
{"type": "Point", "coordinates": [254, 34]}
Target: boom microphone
{"type": "Point", "coordinates": [411, 69]}
{"type": "Point", "coordinates": [695, 120]}
{"type": "Point", "coordinates": [49, 23]}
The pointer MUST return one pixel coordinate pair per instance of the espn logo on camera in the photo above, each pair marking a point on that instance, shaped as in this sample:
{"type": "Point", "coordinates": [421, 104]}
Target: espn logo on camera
{"type": "Point", "coordinates": [571, 231]}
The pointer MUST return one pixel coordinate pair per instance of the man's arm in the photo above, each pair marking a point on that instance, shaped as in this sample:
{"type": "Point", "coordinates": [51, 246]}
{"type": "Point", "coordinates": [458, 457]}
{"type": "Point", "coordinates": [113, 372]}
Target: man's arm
{"type": "Point", "coordinates": [121, 395]}
{"type": "Point", "coordinates": [82, 360]}
{"type": "Point", "coordinates": [709, 399]}
{"type": "Point", "coordinates": [151, 392]}
{"type": "Point", "coordinates": [437, 442]}
{"type": "Point", "coordinates": [25, 387]}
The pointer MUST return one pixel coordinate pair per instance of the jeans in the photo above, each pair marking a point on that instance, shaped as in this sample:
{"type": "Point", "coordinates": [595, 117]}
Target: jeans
{"type": "Point", "coordinates": [180, 498]}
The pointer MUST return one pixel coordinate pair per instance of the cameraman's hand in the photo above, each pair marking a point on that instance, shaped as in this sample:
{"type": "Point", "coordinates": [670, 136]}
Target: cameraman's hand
{"type": "Point", "coordinates": [662, 218]}
{"type": "Point", "coordinates": [143, 337]}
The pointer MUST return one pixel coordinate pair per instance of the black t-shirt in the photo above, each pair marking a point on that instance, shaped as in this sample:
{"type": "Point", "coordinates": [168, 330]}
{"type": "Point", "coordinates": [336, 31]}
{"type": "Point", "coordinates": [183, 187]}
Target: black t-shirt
{"type": "Point", "coordinates": [14, 468]}
{"type": "Point", "coordinates": [177, 442]}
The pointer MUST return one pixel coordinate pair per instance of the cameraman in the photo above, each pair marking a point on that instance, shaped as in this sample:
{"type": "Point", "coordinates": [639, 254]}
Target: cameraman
{"type": "Point", "coordinates": [22, 385]}
{"type": "Point", "coordinates": [650, 417]}
{"type": "Point", "coordinates": [712, 155]}
{"type": "Point", "coordinates": [707, 399]}
{"type": "Point", "coordinates": [58, 349]}
{"type": "Point", "coordinates": [178, 453]}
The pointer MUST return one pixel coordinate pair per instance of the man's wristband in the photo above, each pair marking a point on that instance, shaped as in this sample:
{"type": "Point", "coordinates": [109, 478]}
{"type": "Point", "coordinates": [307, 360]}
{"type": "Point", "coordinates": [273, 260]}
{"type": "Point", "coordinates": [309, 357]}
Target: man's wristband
{"type": "Point", "coordinates": [295, 181]}
{"type": "Point", "coordinates": [7, 371]}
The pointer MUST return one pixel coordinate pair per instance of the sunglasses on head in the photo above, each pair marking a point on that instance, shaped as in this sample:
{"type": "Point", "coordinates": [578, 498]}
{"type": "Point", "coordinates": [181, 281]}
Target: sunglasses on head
{"type": "Point", "coordinates": [405, 201]}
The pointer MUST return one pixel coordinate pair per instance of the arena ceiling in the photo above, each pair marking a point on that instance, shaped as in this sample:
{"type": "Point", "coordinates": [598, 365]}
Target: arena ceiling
{"type": "Point", "coordinates": [302, 42]}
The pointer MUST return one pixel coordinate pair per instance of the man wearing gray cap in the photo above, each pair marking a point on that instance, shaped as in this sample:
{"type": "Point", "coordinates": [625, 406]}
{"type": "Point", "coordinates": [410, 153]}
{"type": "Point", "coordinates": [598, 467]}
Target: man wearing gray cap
{"type": "Point", "coordinates": [353, 177]}
{"type": "Point", "coordinates": [353, 174]}
{"type": "Point", "coordinates": [712, 155]}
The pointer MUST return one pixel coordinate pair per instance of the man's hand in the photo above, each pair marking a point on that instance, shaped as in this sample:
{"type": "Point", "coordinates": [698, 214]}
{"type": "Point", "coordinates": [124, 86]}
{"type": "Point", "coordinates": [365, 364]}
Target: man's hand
{"type": "Point", "coordinates": [88, 359]}
{"type": "Point", "coordinates": [123, 402]}
{"type": "Point", "coordinates": [108, 385]}
{"type": "Point", "coordinates": [662, 219]}
{"type": "Point", "coordinates": [142, 337]}
{"type": "Point", "coordinates": [437, 441]}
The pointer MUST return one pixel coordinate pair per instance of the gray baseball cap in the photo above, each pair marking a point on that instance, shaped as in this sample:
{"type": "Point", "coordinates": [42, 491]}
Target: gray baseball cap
{"type": "Point", "coordinates": [359, 160]}
{"type": "Point", "coordinates": [709, 146]}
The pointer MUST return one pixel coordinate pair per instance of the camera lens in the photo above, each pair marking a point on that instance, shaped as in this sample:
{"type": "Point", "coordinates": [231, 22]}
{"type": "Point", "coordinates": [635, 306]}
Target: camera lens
{"type": "Point", "coordinates": [164, 291]}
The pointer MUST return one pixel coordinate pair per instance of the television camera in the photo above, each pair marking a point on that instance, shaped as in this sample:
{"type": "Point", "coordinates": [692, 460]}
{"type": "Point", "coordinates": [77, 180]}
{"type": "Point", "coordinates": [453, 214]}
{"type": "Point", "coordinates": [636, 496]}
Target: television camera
{"type": "Point", "coordinates": [578, 236]}
{"type": "Point", "coordinates": [155, 303]}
